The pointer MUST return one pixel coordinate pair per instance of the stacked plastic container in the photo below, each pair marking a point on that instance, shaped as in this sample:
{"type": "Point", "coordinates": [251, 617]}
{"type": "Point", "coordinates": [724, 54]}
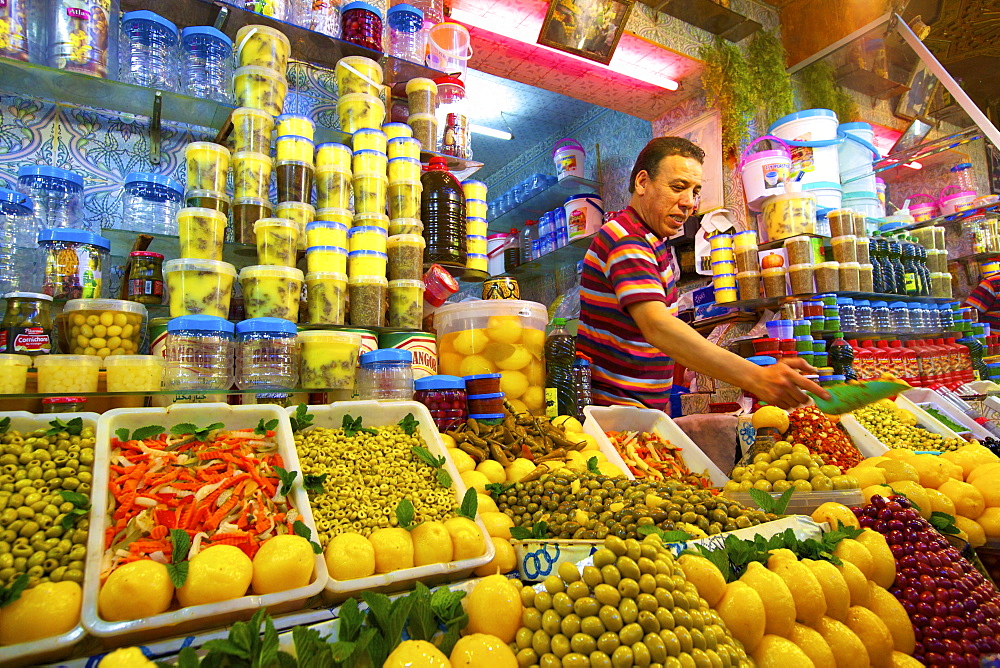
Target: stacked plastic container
{"type": "Point", "coordinates": [723, 259]}
{"type": "Point", "coordinates": [475, 225]}
{"type": "Point", "coordinates": [745, 253]}
{"type": "Point", "coordinates": [422, 101]}
{"type": "Point", "coordinates": [262, 55]}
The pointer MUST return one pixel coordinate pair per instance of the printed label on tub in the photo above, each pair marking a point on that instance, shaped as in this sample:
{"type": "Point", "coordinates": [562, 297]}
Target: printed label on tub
{"type": "Point", "coordinates": [774, 174]}
{"type": "Point", "coordinates": [802, 156]}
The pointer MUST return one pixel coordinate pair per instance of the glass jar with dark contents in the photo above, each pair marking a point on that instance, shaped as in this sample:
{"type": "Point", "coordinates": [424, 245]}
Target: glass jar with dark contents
{"type": "Point", "coordinates": [145, 277]}
{"type": "Point", "coordinates": [26, 328]}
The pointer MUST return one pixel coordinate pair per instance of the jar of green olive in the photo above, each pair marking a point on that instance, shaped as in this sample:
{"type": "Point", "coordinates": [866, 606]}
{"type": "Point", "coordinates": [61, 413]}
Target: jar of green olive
{"type": "Point", "coordinates": [145, 277]}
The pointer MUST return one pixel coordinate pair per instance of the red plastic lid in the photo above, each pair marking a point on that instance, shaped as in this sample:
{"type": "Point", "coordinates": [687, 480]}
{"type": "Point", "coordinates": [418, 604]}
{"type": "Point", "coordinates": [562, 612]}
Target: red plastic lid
{"type": "Point", "coordinates": [454, 81]}
{"type": "Point", "coordinates": [146, 254]}
{"type": "Point", "coordinates": [436, 164]}
{"type": "Point", "coordinates": [64, 400]}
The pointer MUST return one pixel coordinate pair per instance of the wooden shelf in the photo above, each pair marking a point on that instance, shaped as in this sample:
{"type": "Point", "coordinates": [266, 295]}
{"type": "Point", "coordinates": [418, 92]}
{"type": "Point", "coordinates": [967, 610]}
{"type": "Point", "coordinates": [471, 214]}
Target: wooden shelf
{"type": "Point", "coordinates": [868, 83]}
{"type": "Point", "coordinates": [709, 16]}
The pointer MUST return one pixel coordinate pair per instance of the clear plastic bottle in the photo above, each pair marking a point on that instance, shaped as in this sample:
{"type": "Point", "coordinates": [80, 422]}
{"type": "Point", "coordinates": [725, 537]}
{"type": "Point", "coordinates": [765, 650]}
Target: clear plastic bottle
{"type": "Point", "coordinates": [560, 352]}
{"type": "Point", "coordinates": [147, 50]}
{"type": "Point", "coordinates": [899, 316]}
{"type": "Point", "coordinates": [453, 118]}
{"type": "Point", "coordinates": [528, 236]}
{"type": "Point", "coordinates": [559, 223]}
{"type": "Point", "coordinates": [864, 316]}
{"type": "Point", "coordinates": [582, 384]}
{"type": "Point", "coordinates": [386, 374]}
{"type": "Point", "coordinates": [845, 308]}
{"type": "Point", "coordinates": [881, 317]}
{"type": "Point", "coordinates": [512, 251]}
{"type": "Point", "coordinates": [407, 38]}
{"type": "Point", "coordinates": [267, 354]}
{"type": "Point", "coordinates": [207, 63]}
{"type": "Point", "coordinates": [150, 203]}
{"type": "Point", "coordinates": [199, 353]}
{"type": "Point", "coordinates": [57, 195]}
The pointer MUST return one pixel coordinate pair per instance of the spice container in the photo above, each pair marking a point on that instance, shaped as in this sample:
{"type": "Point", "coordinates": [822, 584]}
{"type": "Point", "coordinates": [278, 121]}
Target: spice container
{"type": "Point", "coordinates": [145, 277]}
{"type": "Point", "coordinates": [199, 287]}
{"type": "Point", "coordinates": [747, 259]}
{"type": "Point", "coordinates": [827, 276]}
{"type": "Point", "coordinates": [150, 203]}
{"type": "Point", "coordinates": [421, 96]}
{"type": "Point", "coordinates": [801, 278]}
{"type": "Point", "coordinates": [271, 291]}
{"type": "Point", "coordinates": [850, 276]}
{"type": "Point", "coordinates": [386, 374]}
{"type": "Point", "coordinates": [13, 373]}
{"type": "Point", "coordinates": [486, 403]}
{"type": "Point", "coordinates": [748, 283]}
{"type": "Point", "coordinates": [267, 354]}
{"type": "Point", "coordinates": [866, 279]}
{"type": "Point", "coordinates": [841, 222]}
{"type": "Point", "coordinates": [260, 88]}
{"type": "Point", "coordinates": [444, 397]}
{"type": "Point", "coordinates": [863, 247]}
{"type": "Point", "coordinates": [262, 46]}
{"type": "Point", "coordinates": [199, 353]}
{"type": "Point", "coordinates": [329, 359]}
{"type": "Point", "coordinates": [366, 238]}
{"type": "Point", "coordinates": [370, 193]}
{"type": "Point", "coordinates": [333, 155]}
{"type": "Point", "coordinates": [744, 239]}
{"type": "Point", "coordinates": [202, 233]}
{"type": "Point", "coordinates": [799, 250]}
{"type": "Point", "coordinates": [367, 263]}
{"type": "Point", "coordinates": [845, 248]}
{"type": "Point", "coordinates": [246, 212]}
{"type": "Point", "coordinates": [26, 329]}
{"type": "Point", "coordinates": [101, 327]}
{"type": "Point", "coordinates": [277, 241]}
{"type": "Point", "coordinates": [75, 263]}
{"type": "Point", "coordinates": [425, 128]}
{"type": "Point", "coordinates": [860, 223]}
{"type": "Point", "coordinates": [940, 285]}
{"type": "Point", "coordinates": [207, 166]}
{"type": "Point", "coordinates": [326, 259]}
{"type": "Point", "coordinates": [57, 195]}
{"type": "Point", "coordinates": [134, 373]}
{"type": "Point", "coordinates": [368, 295]}
{"type": "Point", "coordinates": [362, 25]}
{"type": "Point", "coordinates": [67, 373]}
{"type": "Point", "coordinates": [774, 282]}
{"type": "Point", "coordinates": [356, 74]}
{"type": "Point", "coordinates": [406, 256]}
{"type": "Point", "coordinates": [403, 147]}
{"type": "Point", "coordinates": [406, 303]}
{"type": "Point", "coordinates": [358, 111]}
{"type": "Point", "coordinates": [326, 233]}
{"type": "Point", "coordinates": [326, 297]}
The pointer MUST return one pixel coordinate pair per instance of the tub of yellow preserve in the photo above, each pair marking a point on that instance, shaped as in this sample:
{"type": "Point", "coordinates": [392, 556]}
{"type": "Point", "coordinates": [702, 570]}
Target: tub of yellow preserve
{"type": "Point", "coordinates": [370, 193]}
{"type": "Point", "coordinates": [301, 213]}
{"type": "Point", "coordinates": [329, 359]}
{"type": "Point", "coordinates": [404, 199]}
{"type": "Point", "coordinates": [326, 259]}
{"type": "Point", "coordinates": [357, 74]}
{"type": "Point", "coordinates": [394, 130]}
{"type": "Point", "coordinates": [277, 241]}
{"type": "Point", "coordinates": [334, 186]}
{"type": "Point", "coordinates": [422, 346]}
{"type": "Point", "coordinates": [326, 298]}
{"type": "Point", "coordinates": [251, 175]}
{"type": "Point", "coordinates": [296, 125]}
{"type": "Point", "coordinates": [358, 111]}
{"type": "Point", "coordinates": [403, 147]}
{"type": "Point", "coordinates": [202, 233]}
{"type": "Point", "coordinates": [333, 155]}
{"type": "Point", "coordinates": [367, 263]}
{"type": "Point", "coordinates": [207, 166]}
{"type": "Point", "coordinates": [345, 216]}
{"type": "Point", "coordinates": [199, 287]}
{"type": "Point", "coordinates": [271, 292]}
{"type": "Point", "coordinates": [366, 238]}
{"type": "Point", "coordinates": [326, 233]}
{"type": "Point", "coordinates": [293, 147]}
{"type": "Point", "coordinates": [370, 139]}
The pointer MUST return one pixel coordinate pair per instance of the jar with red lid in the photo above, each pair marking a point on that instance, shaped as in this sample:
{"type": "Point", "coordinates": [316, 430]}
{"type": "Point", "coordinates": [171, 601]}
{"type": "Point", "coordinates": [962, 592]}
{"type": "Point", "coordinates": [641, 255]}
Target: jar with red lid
{"type": "Point", "coordinates": [63, 404]}
{"type": "Point", "coordinates": [362, 25]}
{"type": "Point", "coordinates": [145, 277]}
{"type": "Point", "coordinates": [444, 397]}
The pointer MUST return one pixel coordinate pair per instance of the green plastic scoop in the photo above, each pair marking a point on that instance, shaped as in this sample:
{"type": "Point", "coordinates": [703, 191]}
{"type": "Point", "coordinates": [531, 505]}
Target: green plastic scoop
{"type": "Point", "coordinates": [847, 398]}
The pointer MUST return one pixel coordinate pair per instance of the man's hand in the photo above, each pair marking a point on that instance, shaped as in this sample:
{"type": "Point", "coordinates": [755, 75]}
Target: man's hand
{"type": "Point", "coordinates": [782, 385]}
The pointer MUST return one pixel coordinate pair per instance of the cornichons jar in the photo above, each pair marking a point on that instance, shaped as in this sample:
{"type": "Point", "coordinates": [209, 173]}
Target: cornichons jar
{"type": "Point", "coordinates": [27, 324]}
{"type": "Point", "coordinates": [267, 354]}
{"type": "Point", "coordinates": [386, 374]}
{"type": "Point", "coordinates": [199, 353]}
{"type": "Point", "coordinates": [444, 397]}
{"type": "Point", "coordinates": [145, 278]}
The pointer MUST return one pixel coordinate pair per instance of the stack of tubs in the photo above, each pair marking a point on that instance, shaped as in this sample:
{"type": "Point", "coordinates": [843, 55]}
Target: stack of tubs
{"type": "Point", "coordinates": [475, 225]}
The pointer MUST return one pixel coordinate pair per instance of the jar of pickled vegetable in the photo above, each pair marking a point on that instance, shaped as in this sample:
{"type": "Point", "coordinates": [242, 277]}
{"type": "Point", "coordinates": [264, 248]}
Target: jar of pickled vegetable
{"type": "Point", "coordinates": [145, 277]}
{"type": "Point", "coordinates": [362, 25]}
{"type": "Point", "coordinates": [444, 397]}
{"type": "Point", "coordinates": [26, 328]}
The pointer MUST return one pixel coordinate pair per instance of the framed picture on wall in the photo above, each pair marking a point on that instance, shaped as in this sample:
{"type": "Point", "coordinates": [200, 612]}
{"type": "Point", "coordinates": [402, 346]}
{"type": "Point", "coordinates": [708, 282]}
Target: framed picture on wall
{"type": "Point", "coordinates": [706, 132]}
{"type": "Point", "coordinates": [916, 101]}
{"type": "Point", "coordinates": [993, 163]}
{"type": "Point", "coordinates": [586, 28]}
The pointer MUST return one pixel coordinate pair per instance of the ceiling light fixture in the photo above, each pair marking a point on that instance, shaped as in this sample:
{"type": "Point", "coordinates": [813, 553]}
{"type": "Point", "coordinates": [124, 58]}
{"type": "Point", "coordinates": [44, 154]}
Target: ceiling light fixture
{"type": "Point", "coordinates": [490, 132]}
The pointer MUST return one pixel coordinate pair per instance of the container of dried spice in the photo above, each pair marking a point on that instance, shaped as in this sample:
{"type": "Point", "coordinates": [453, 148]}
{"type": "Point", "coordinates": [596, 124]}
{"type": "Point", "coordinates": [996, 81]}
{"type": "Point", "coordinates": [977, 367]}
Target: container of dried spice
{"type": "Point", "coordinates": [406, 257]}
{"type": "Point", "coordinates": [368, 296]}
{"type": "Point", "coordinates": [827, 276]}
{"type": "Point", "coordinates": [774, 282]}
{"type": "Point", "coordinates": [799, 249]}
{"type": "Point", "coordinates": [747, 259]}
{"type": "Point", "coordinates": [748, 283]}
{"type": "Point", "coordinates": [406, 303]}
{"type": "Point", "coordinates": [849, 274]}
{"type": "Point", "coordinates": [801, 277]}
{"type": "Point", "coordinates": [867, 277]}
{"type": "Point", "coordinates": [845, 248]}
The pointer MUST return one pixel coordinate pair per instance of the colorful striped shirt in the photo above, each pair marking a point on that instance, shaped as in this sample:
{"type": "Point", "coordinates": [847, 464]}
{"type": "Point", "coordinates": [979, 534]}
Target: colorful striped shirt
{"type": "Point", "coordinates": [986, 299]}
{"type": "Point", "coordinates": [626, 263]}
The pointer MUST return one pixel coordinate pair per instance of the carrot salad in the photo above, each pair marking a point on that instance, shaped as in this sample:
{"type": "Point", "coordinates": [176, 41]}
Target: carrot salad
{"type": "Point", "coordinates": [223, 490]}
{"type": "Point", "coordinates": [649, 455]}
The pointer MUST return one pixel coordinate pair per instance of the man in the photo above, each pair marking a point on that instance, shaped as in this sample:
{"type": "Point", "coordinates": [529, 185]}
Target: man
{"type": "Point", "coordinates": [628, 323]}
{"type": "Point", "coordinates": [986, 299]}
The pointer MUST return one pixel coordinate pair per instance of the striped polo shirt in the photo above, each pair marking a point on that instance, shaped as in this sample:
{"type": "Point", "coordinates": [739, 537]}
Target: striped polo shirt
{"type": "Point", "coordinates": [626, 263]}
{"type": "Point", "coordinates": [986, 299]}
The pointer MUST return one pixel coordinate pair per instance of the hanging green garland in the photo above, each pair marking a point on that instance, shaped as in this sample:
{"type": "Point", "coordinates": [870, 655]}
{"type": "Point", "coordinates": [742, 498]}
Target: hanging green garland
{"type": "Point", "coordinates": [728, 87]}
{"type": "Point", "coordinates": [772, 85]}
{"type": "Point", "coordinates": [819, 90]}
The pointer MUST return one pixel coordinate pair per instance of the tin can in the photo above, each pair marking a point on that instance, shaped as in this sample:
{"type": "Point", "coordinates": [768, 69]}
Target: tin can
{"type": "Point", "coordinates": [158, 336]}
{"type": "Point", "coordinates": [422, 345]}
{"type": "Point", "coordinates": [79, 36]}
{"type": "Point", "coordinates": [503, 287]}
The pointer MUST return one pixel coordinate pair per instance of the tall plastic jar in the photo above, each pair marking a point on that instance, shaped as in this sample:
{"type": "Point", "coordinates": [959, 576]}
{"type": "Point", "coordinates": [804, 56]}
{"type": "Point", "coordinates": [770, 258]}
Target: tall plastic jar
{"type": "Point", "coordinates": [900, 318]}
{"type": "Point", "coordinates": [444, 397]}
{"type": "Point", "coordinates": [199, 353]}
{"type": "Point", "coordinates": [57, 195]}
{"type": "Point", "coordinates": [386, 374]}
{"type": "Point", "coordinates": [362, 25]}
{"type": "Point", "coordinates": [453, 120]}
{"type": "Point", "coordinates": [505, 336]}
{"type": "Point", "coordinates": [206, 65]}
{"type": "Point", "coordinates": [146, 50]}
{"type": "Point", "coordinates": [19, 256]}
{"type": "Point", "coordinates": [150, 203]}
{"type": "Point", "coordinates": [18, 16]}
{"type": "Point", "coordinates": [407, 38]}
{"type": "Point", "coordinates": [442, 210]}
{"type": "Point", "coordinates": [864, 316]}
{"type": "Point", "coordinates": [267, 354]}
{"type": "Point", "coordinates": [845, 309]}
{"type": "Point", "coordinates": [881, 317]}
{"type": "Point", "coordinates": [81, 37]}
{"type": "Point", "coordinates": [75, 263]}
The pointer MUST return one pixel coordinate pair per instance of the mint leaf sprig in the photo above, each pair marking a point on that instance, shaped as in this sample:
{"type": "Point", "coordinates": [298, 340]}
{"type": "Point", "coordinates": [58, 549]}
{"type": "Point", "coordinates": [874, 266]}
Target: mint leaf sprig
{"type": "Point", "coordinates": [13, 591]}
{"type": "Point", "coordinates": [300, 529]}
{"type": "Point", "coordinates": [74, 427]}
{"type": "Point", "coordinates": [409, 425]}
{"type": "Point", "coordinates": [140, 434]}
{"type": "Point", "coordinates": [81, 506]}
{"type": "Point", "coordinates": [352, 427]}
{"type": "Point", "coordinates": [538, 531]}
{"type": "Point", "coordinates": [4, 425]}
{"type": "Point", "coordinates": [302, 418]}
{"type": "Point", "coordinates": [769, 504]}
{"type": "Point", "coordinates": [200, 433]}
{"type": "Point", "coordinates": [424, 455]}
{"type": "Point", "coordinates": [177, 569]}
{"type": "Point", "coordinates": [263, 427]}
{"type": "Point", "coordinates": [287, 479]}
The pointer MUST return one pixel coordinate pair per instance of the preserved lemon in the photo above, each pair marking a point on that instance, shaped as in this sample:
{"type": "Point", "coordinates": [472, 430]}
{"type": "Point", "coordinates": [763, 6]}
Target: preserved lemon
{"type": "Point", "coordinates": [393, 549]}
{"type": "Point", "coordinates": [431, 544]}
{"type": "Point", "coordinates": [494, 606]}
{"type": "Point", "coordinates": [134, 590]}
{"type": "Point", "coordinates": [126, 657]}
{"type": "Point", "coordinates": [480, 649]}
{"type": "Point", "coordinates": [350, 556]}
{"type": "Point", "coordinates": [466, 538]}
{"type": "Point", "coordinates": [416, 654]}
{"type": "Point", "coordinates": [46, 610]}
{"type": "Point", "coordinates": [282, 563]}
{"type": "Point", "coordinates": [217, 573]}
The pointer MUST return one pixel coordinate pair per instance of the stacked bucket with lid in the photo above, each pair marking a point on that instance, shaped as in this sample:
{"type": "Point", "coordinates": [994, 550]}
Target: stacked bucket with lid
{"type": "Point", "coordinates": [475, 225]}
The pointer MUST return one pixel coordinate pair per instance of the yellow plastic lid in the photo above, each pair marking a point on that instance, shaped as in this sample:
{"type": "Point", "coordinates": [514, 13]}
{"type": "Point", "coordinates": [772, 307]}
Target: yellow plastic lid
{"type": "Point", "coordinates": [420, 83]}
{"type": "Point", "coordinates": [329, 336]}
{"type": "Point", "coordinates": [270, 271]}
{"type": "Point", "coordinates": [326, 276]}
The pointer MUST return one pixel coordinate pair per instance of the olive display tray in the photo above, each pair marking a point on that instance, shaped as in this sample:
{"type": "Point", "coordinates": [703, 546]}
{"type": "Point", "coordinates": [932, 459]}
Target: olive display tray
{"type": "Point", "coordinates": [803, 503]}
{"type": "Point", "coordinates": [926, 397]}
{"type": "Point", "coordinates": [870, 446]}
{"type": "Point", "coordinates": [52, 648]}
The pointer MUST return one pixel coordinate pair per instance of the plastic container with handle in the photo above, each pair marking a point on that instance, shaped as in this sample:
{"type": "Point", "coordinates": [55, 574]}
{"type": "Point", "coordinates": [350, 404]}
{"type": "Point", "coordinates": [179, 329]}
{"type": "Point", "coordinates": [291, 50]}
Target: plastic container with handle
{"type": "Point", "coordinates": [764, 172]}
{"type": "Point", "coordinates": [569, 156]}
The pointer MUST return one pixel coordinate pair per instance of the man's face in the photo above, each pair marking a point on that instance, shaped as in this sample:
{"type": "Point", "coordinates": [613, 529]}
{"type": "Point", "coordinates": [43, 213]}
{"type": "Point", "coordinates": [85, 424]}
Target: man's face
{"type": "Point", "coordinates": [666, 201]}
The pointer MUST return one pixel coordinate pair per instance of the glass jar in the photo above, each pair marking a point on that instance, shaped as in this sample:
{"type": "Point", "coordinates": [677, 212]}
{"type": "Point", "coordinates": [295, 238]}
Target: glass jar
{"type": "Point", "coordinates": [362, 25]}
{"type": "Point", "coordinates": [900, 318]}
{"type": "Point", "coordinates": [63, 404]}
{"type": "Point", "coordinates": [145, 277]}
{"type": "Point", "coordinates": [150, 203]}
{"type": "Point", "coordinates": [199, 353]}
{"type": "Point", "coordinates": [444, 397]}
{"type": "Point", "coordinates": [206, 63]}
{"type": "Point", "coordinates": [267, 354]}
{"type": "Point", "coordinates": [386, 374]}
{"type": "Point", "coordinates": [881, 317]}
{"type": "Point", "coordinates": [74, 263]}
{"type": "Point", "coordinates": [146, 50]}
{"type": "Point", "coordinates": [26, 328]}
{"type": "Point", "coordinates": [452, 118]}
{"type": "Point", "coordinates": [321, 16]}
{"type": "Point", "coordinates": [845, 310]}
{"type": "Point", "coordinates": [57, 195]}
{"type": "Point", "coordinates": [101, 326]}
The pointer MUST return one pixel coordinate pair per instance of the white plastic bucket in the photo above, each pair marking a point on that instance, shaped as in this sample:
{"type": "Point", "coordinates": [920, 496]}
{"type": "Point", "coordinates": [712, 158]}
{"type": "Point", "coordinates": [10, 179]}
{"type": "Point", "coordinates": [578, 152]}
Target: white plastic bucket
{"type": "Point", "coordinates": [812, 135]}
{"type": "Point", "coordinates": [495, 246]}
{"type": "Point", "coordinates": [449, 48]}
{"type": "Point", "coordinates": [924, 210]}
{"type": "Point", "coordinates": [584, 215]}
{"type": "Point", "coordinates": [880, 190]}
{"type": "Point", "coordinates": [953, 200]}
{"type": "Point", "coordinates": [568, 155]}
{"type": "Point", "coordinates": [863, 202]}
{"type": "Point", "coordinates": [856, 154]}
{"type": "Point", "coordinates": [827, 193]}
{"type": "Point", "coordinates": [764, 172]}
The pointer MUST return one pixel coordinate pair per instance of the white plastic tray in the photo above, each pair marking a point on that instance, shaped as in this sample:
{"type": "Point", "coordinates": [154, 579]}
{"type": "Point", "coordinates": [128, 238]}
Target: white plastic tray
{"type": "Point", "coordinates": [804, 503]}
{"type": "Point", "coordinates": [872, 447]}
{"type": "Point", "coordinates": [43, 650]}
{"type": "Point", "coordinates": [380, 414]}
{"type": "Point", "coordinates": [193, 617]}
{"type": "Point", "coordinates": [601, 419]}
{"type": "Point", "coordinates": [983, 387]}
{"type": "Point", "coordinates": [923, 395]}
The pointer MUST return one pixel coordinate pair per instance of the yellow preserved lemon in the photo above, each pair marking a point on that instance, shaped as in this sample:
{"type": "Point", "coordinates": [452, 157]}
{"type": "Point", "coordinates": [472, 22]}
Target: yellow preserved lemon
{"type": "Point", "coordinates": [497, 524]}
{"type": "Point", "coordinates": [393, 549]}
{"type": "Point", "coordinates": [812, 645]}
{"type": "Point", "coordinates": [487, 504]}
{"type": "Point", "coordinates": [857, 583]}
{"type": "Point", "coordinates": [779, 606]}
{"type": "Point", "coordinates": [493, 470]}
{"type": "Point", "coordinates": [466, 538]}
{"type": "Point", "coordinates": [504, 559]}
{"type": "Point", "coordinates": [810, 602]}
{"type": "Point", "coordinates": [494, 607]}
{"type": "Point", "coordinates": [969, 501]}
{"type": "Point", "coordinates": [48, 609]}
{"type": "Point", "coordinates": [778, 652]}
{"type": "Point", "coordinates": [856, 553]}
{"type": "Point", "coordinates": [350, 556]}
{"type": "Point", "coordinates": [743, 612]}
{"type": "Point", "coordinates": [883, 563]}
{"type": "Point", "coordinates": [874, 634]}
{"type": "Point", "coordinates": [504, 328]}
{"type": "Point", "coordinates": [416, 654]}
{"type": "Point", "coordinates": [463, 460]}
{"type": "Point", "coordinates": [479, 650]}
{"type": "Point", "coordinates": [282, 563]}
{"type": "Point", "coordinates": [431, 544]}
{"type": "Point", "coordinates": [136, 589]}
{"type": "Point", "coordinates": [770, 416]}
{"type": "Point", "coordinates": [887, 608]}
{"type": "Point", "coordinates": [126, 657]}
{"type": "Point", "coordinates": [475, 480]}
{"type": "Point", "coordinates": [519, 469]}
{"type": "Point", "coordinates": [836, 514]}
{"type": "Point", "coordinates": [835, 591]}
{"type": "Point", "coordinates": [217, 573]}
{"type": "Point", "coordinates": [705, 576]}
{"type": "Point", "coordinates": [846, 646]}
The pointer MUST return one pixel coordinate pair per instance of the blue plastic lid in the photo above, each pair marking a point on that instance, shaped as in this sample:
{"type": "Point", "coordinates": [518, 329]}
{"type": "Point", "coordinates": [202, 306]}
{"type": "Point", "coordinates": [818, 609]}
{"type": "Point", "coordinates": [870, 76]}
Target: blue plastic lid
{"type": "Point", "coordinates": [483, 397]}
{"type": "Point", "coordinates": [367, 229]}
{"type": "Point", "coordinates": [158, 179]}
{"type": "Point", "coordinates": [51, 172]}
{"type": "Point", "coordinates": [814, 317]}
{"type": "Point", "coordinates": [336, 144]}
{"type": "Point", "coordinates": [762, 360]}
{"type": "Point", "coordinates": [581, 361]}
{"type": "Point", "coordinates": [487, 416]}
{"type": "Point", "coordinates": [880, 304]}
{"type": "Point", "coordinates": [441, 382]}
{"type": "Point", "coordinates": [825, 379]}
{"type": "Point", "coordinates": [838, 376]}
{"type": "Point", "coordinates": [73, 236]}
{"type": "Point", "coordinates": [803, 337]}
{"type": "Point", "coordinates": [897, 305]}
{"type": "Point", "coordinates": [201, 323]}
{"type": "Point", "coordinates": [581, 196]}
{"type": "Point", "coordinates": [857, 125]}
{"type": "Point", "coordinates": [481, 376]}
{"type": "Point", "coordinates": [472, 199]}
{"type": "Point", "coordinates": [361, 253]}
{"type": "Point", "coordinates": [266, 326]}
{"type": "Point", "coordinates": [386, 355]}
{"type": "Point", "coordinates": [800, 322]}
{"type": "Point", "coordinates": [361, 5]}
{"type": "Point", "coordinates": [861, 302]}
{"type": "Point", "coordinates": [390, 125]}
{"type": "Point", "coordinates": [207, 31]}
{"type": "Point", "coordinates": [962, 166]}
{"type": "Point", "coordinates": [299, 137]}
{"type": "Point", "coordinates": [21, 203]}
{"type": "Point", "coordinates": [322, 224]}
{"type": "Point", "coordinates": [472, 182]}
{"type": "Point", "coordinates": [403, 7]}
{"type": "Point", "coordinates": [333, 249]}
{"type": "Point", "coordinates": [152, 17]}
{"type": "Point", "coordinates": [368, 151]}
{"type": "Point", "coordinates": [845, 301]}
{"type": "Point", "coordinates": [821, 185]}
{"type": "Point", "coordinates": [825, 295]}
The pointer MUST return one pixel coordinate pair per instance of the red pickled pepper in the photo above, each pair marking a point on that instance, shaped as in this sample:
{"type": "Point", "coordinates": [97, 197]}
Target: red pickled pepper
{"type": "Point", "coordinates": [810, 427]}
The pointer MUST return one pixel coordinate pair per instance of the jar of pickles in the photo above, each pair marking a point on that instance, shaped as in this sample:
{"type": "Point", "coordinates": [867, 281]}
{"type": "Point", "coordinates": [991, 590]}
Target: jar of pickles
{"type": "Point", "coordinates": [199, 353]}
{"type": "Point", "coordinates": [145, 277]}
{"type": "Point", "coordinates": [26, 328]}
{"type": "Point", "coordinates": [444, 397]}
{"type": "Point", "coordinates": [74, 263]}
{"type": "Point", "coordinates": [267, 354]}
{"type": "Point", "coordinates": [362, 25]}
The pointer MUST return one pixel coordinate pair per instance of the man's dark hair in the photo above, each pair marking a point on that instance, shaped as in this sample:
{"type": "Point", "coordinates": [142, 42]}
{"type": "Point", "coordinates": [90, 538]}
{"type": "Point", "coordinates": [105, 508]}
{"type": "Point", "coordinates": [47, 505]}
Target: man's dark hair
{"type": "Point", "coordinates": [655, 151]}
